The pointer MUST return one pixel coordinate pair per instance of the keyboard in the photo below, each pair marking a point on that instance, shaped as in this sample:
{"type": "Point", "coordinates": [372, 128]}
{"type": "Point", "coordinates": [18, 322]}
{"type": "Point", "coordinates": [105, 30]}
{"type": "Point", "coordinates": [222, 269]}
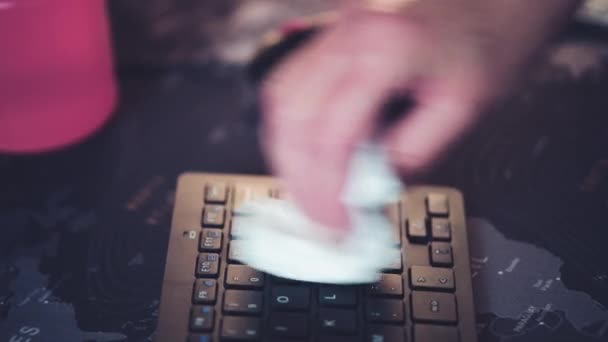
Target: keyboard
{"type": "Point", "coordinates": [424, 296]}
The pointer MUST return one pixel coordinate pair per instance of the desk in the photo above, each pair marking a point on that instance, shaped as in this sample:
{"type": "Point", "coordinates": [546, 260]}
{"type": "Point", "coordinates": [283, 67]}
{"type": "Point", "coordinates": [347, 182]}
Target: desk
{"type": "Point", "coordinates": [84, 231]}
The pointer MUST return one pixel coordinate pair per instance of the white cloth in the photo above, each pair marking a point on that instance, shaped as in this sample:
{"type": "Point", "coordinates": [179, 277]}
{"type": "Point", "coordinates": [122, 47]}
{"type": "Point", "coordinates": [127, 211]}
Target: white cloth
{"type": "Point", "coordinates": [279, 239]}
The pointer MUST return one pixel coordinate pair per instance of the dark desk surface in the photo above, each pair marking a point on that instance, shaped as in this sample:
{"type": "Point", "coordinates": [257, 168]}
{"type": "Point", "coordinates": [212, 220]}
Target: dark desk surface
{"type": "Point", "coordinates": [84, 230]}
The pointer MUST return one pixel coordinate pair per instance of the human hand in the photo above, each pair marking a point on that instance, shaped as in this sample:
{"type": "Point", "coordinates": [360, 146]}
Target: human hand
{"type": "Point", "coordinates": [453, 58]}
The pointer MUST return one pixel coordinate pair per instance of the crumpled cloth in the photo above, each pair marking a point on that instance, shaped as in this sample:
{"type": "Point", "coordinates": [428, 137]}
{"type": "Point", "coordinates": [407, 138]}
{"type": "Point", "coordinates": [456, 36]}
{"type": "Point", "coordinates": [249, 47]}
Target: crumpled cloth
{"type": "Point", "coordinates": [277, 238]}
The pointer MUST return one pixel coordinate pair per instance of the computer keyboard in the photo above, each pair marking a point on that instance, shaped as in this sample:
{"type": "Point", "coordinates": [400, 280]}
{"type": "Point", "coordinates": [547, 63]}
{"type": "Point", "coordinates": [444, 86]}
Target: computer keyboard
{"type": "Point", "coordinates": [424, 296]}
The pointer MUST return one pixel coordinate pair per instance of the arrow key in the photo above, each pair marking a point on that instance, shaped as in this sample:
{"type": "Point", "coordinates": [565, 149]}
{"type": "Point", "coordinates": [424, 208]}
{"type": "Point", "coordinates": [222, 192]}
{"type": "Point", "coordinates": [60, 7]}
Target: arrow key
{"type": "Point", "coordinates": [432, 278]}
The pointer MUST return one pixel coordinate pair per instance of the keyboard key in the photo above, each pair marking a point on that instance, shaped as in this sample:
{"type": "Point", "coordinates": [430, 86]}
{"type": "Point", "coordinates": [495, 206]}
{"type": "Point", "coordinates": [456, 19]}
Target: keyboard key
{"type": "Point", "coordinates": [431, 278]}
{"type": "Point", "coordinates": [244, 193]}
{"type": "Point", "coordinates": [241, 276]}
{"type": "Point", "coordinates": [211, 240]}
{"type": "Point", "coordinates": [389, 285]}
{"type": "Point", "coordinates": [243, 302]}
{"type": "Point", "coordinates": [280, 280]}
{"type": "Point", "coordinates": [205, 291]}
{"type": "Point", "coordinates": [396, 266]}
{"type": "Point", "coordinates": [434, 333]}
{"type": "Point", "coordinates": [434, 307]}
{"type": "Point", "coordinates": [214, 216]}
{"type": "Point", "coordinates": [207, 265]}
{"type": "Point", "coordinates": [199, 338]}
{"type": "Point", "coordinates": [385, 311]}
{"type": "Point", "coordinates": [386, 333]}
{"type": "Point", "coordinates": [216, 193]}
{"type": "Point", "coordinates": [291, 298]}
{"type": "Point", "coordinates": [340, 296]}
{"type": "Point", "coordinates": [441, 254]}
{"type": "Point", "coordinates": [289, 325]}
{"type": "Point", "coordinates": [201, 318]}
{"type": "Point", "coordinates": [241, 328]}
{"type": "Point", "coordinates": [235, 251]}
{"type": "Point", "coordinates": [338, 338]}
{"type": "Point", "coordinates": [338, 321]}
{"type": "Point", "coordinates": [441, 229]}
{"type": "Point", "coordinates": [437, 204]}
{"type": "Point", "coordinates": [235, 225]}
{"type": "Point", "coordinates": [417, 231]}
{"type": "Point", "coordinates": [394, 217]}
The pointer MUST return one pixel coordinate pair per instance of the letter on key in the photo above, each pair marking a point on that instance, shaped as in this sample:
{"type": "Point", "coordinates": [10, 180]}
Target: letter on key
{"type": "Point", "coordinates": [240, 276]}
{"type": "Point", "coordinates": [290, 298]}
{"type": "Point", "coordinates": [213, 216]}
{"type": "Point", "coordinates": [205, 291]}
{"type": "Point", "coordinates": [341, 296]}
{"type": "Point", "coordinates": [216, 193]}
{"type": "Point", "coordinates": [208, 265]}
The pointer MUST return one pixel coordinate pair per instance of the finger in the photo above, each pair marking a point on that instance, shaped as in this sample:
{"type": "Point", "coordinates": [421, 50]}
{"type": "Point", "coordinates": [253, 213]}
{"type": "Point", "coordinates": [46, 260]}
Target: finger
{"type": "Point", "coordinates": [445, 111]}
{"type": "Point", "coordinates": [311, 153]}
{"type": "Point", "coordinates": [293, 100]}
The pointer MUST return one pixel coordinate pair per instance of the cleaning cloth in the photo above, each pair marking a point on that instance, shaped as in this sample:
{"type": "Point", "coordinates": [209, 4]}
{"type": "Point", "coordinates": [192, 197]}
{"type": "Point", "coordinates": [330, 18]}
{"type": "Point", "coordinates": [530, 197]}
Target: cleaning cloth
{"type": "Point", "coordinates": [279, 239]}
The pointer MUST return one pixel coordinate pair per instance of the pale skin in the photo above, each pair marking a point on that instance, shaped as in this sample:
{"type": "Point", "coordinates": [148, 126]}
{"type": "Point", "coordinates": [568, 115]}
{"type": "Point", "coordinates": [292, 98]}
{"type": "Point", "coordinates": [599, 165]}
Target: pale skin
{"type": "Point", "coordinates": [453, 58]}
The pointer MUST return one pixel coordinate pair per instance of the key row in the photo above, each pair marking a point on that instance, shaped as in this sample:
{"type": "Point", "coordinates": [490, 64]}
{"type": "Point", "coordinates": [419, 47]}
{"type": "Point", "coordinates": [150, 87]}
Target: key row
{"type": "Point", "coordinates": [332, 324]}
{"type": "Point", "coordinates": [241, 276]}
{"type": "Point", "coordinates": [436, 307]}
{"type": "Point", "coordinates": [217, 193]}
{"type": "Point", "coordinates": [437, 204]}
{"type": "Point", "coordinates": [374, 333]}
{"type": "Point", "coordinates": [418, 230]}
{"type": "Point", "coordinates": [210, 240]}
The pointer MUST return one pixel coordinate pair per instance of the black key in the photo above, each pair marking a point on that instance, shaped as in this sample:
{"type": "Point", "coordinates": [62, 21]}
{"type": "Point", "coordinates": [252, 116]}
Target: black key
{"type": "Point", "coordinates": [291, 298]}
{"type": "Point", "coordinates": [386, 333]}
{"type": "Point", "coordinates": [441, 254]}
{"type": "Point", "coordinates": [199, 338]}
{"type": "Point", "coordinates": [434, 333]}
{"type": "Point", "coordinates": [235, 251]}
{"type": "Point", "coordinates": [338, 321]}
{"type": "Point", "coordinates": [431, 278]}
{"type": "Point", "coordinates": [240, 276]}
{"type": "Point", "coordinates": [389, 285]}
{"type": "Point", "coordinates": [280, 280]}
{"type": "Point", "coordinates": [441, 229]}
{"type": "Point", "coordinates": [211, 240]}
{"type": "Point", "coordinates": [338, 338]}
{"type": "Point", "coordinates": [243, 302]}
{"type": "Point", "coordinates": [341, 296]}
{"type": "Point", "coordinates": [417, 231]}
{"type": "Point", "coordinates": [214, 216]}
{"type": "Point", "coordinates": [207, 265]}
{"type": "Point", "coordinates": [216, 193]}
{"type": "Point", "coordinates": [205, 291]}
{"type": "Point", "coordinates": [434, 307]}
{"type": "Point", "coordinates": [437, 204]}
{"type": "Point", "coordinates": [385, 311]}
{"type": "Point", "coordinates": [201, 318]}
{"type": "Point", "coordinates": [241, 328]}
{"type": "Point", "coordinates": [288, 325]}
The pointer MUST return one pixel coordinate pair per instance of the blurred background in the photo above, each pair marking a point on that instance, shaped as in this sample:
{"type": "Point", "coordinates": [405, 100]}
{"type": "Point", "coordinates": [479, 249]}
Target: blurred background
{"type": "Point", "coordinates": [84, 228]}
